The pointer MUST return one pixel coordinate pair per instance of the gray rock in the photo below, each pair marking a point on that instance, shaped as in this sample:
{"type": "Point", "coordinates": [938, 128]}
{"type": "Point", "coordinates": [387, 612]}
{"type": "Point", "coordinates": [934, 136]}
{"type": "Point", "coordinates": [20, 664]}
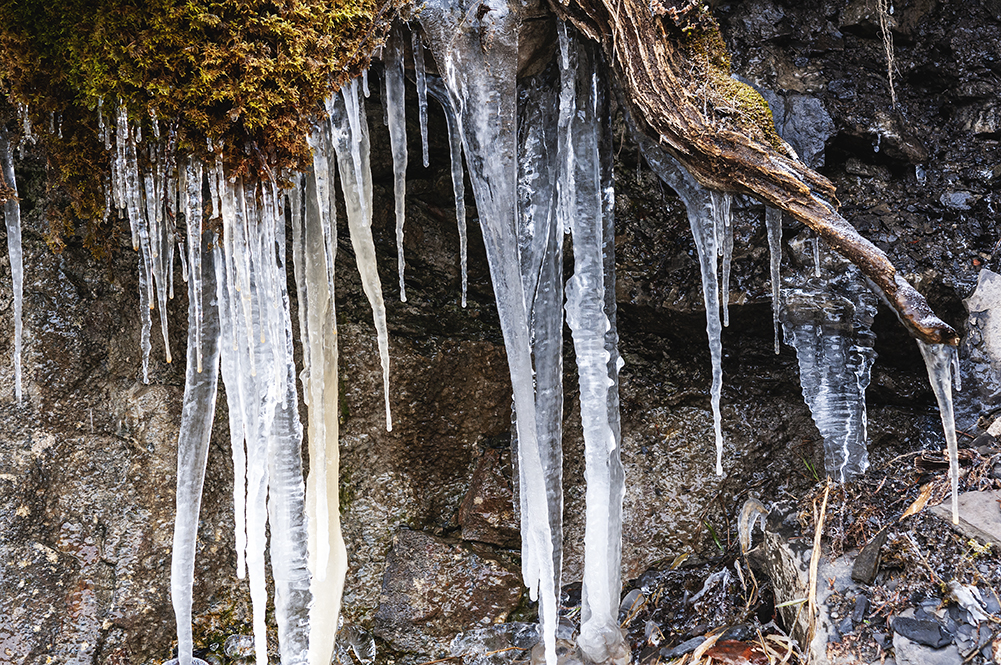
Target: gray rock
{"type": "Point", "coordinates": [434, 589]}
{"type": "Point", "coordinates": [922, 631]}
{"type": "Point", "coordinates": [958, 200]}
{"type": "Point", "coordinates": [979, 515]}
{"type": "Point", "coordinates": [907, 652]}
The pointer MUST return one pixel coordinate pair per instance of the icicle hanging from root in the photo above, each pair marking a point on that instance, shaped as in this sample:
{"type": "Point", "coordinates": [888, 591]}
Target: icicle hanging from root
{"type": "Point", "coordinates": [941, 362]}
{"type": "Point", "coordinates": [12, 219]}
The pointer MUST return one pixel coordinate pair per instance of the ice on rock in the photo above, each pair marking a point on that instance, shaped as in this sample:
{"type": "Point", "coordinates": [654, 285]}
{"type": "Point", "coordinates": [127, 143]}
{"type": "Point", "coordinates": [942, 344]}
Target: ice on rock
{"type": "Point", "coordinates": [477, 54]}
{"type": "Point", "coordinates": [940, 361]}
{"type": "Point", "coordinates": [349, 134]}
{"type": "Point", "coordinates": [437, 89]}
{"type": "Point", "coordinates": [200, 388]}
{"type": "Point", "coordinates": [12, 220]}
{"type": "Point", "coordinates": [699, 206]}
{"type": "Point", "coordinates": [586, 209]}
{"type": "Point", "coordinates": [395, 103]}
{"type": "Point", "coordinates": [829, 326]}
{"type": "Point", "coordinates": [723, 226]}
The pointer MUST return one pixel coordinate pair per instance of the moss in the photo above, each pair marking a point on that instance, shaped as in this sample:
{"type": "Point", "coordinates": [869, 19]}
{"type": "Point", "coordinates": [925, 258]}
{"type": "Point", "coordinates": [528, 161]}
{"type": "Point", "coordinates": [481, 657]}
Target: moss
{"type": "Point", "coordinates": [249, 75]}
{"type": "Point", "coordinates": [730, 100]}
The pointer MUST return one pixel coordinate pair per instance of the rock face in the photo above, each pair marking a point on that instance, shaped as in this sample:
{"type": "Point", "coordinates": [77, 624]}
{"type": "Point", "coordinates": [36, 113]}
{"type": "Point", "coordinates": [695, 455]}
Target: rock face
{"type": "Point", "coordinates": [87, 463]}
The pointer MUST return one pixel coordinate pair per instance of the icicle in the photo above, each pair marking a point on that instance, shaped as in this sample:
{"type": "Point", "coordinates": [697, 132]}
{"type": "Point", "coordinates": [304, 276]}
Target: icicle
{"type": "Point", "coordinates": [327, 553]}
{"type": "Point", "coordinates": [773, 227]}
{"type": "Point", "coordinates": [590, 309]}
{"type": "Point", "coordinates": [422, 91]}
{"type": "Point", "coordinates": [395, 103]}
{"type": "Point", "coordinates": [364, 83]}
{"type": "Point", "coordinates": [479, 61]}
{"type": "Point", "coordinates": [193, 220]}
{"type": "Point", "coordinates": [458, 176]}
{"type": "Point", "coordinates": [192, 452]}
{"type": "Point", "coordinates": [816, 256]}
{"type": "Point", "coordinates": [939, 360]}
{"type": "Point", "coordinates": [723, 225]}
{"type": "Point", "coordinates": [830, 330]}
{"type": "Point", "coordinates": [12, 219]}
{"type": "Point", "coordinates": [147, 321]}
{"type": "Point", "coordinates": [349, 128]}
{"type": "Point", "coordinates": [698, 204]}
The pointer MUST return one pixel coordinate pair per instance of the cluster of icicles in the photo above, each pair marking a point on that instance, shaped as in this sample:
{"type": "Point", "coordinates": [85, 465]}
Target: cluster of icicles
{"type": "Point", "coordinates": [539, 157]}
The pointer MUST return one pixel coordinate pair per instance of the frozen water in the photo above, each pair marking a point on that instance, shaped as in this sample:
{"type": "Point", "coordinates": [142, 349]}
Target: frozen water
{"type": "Point", "coordinates": [477, 54]}
{"type": "Point", "coordinates": [395, 102]}
{"type": "Point", "coordinates": [349, 132]}
{"type": "Point", "coordinates": [12, 219]}
{"type": "Point", "coordinates": [200, 388]}
{"type": "Point", "coordinates": [829, 327]}
{"type": "Point", "coordinates": [773, 226]}
{"type": "Point", "coordinates": [586, 207]}
{"type": "Point", "coordinates": [422, 91]}
{"type": "Point", "coordinates": [940, 361]}
{"type": "Point", "coordinates": [699, 205]}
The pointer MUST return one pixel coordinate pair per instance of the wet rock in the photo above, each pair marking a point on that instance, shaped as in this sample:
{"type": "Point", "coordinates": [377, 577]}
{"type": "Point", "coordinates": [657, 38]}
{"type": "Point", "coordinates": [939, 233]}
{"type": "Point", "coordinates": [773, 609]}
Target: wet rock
{"type": "Point", "coordinates": [687, 646]}
{"type": "Point", "coordinates": [487, 512]}
{"type": "Point", "coordinates": [922, 631]}
{"type": "Point", "coordinates": [907, 652]}
{"type": "Point", "coordinates": [495, 645]}
{"type": "Point", "coordinates": [958, 200]}
{"type": "Point", "coordinates": [979, 515]}
{"type": "Point", "coordinates": [434, 589]}
{"type": "Point", "coordinates": [803, 122]}
{"type": "Point", "coordinates": [866, 564]}
{"type": "Point", "coordinates": [982, 344]}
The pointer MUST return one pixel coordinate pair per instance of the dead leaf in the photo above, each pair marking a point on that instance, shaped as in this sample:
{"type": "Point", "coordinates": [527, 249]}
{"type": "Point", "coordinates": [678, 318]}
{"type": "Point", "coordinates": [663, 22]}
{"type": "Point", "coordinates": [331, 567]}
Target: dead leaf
{"type": "Point", "coordinates": [919, 502]}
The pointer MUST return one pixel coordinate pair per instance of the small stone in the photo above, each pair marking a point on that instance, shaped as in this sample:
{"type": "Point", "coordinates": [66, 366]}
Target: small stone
{"type": "Point", "coordinates": [957, 200]}
{"type": "Point", "coordinates": [928, 633]}
{"type": "Point", "coordinates": [239, 646]}
{"type": "Point", "coordinates": [867, 562]}
{"type": "Point", "coordinates": [846, 626]}
{"type": "Point", "coordinates": [907, 652]}
{"type": "Point", "coordinates": [861, 611]}
{"type": "Point", "coordinates": [687, 646]}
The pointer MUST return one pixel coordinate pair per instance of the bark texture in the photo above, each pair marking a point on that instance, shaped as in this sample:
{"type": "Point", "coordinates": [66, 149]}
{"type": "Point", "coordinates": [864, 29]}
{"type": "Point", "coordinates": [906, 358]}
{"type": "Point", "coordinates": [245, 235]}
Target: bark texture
{"type": "Point", "coordinates": [674, 72]}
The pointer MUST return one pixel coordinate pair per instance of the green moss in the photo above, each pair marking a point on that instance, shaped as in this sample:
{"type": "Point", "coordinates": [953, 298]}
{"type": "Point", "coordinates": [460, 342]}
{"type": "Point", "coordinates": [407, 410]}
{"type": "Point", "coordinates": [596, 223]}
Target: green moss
{"type": "Point", "coordinates": [728, 98]}
{"type": "Point", "coordinates": [249, 75]}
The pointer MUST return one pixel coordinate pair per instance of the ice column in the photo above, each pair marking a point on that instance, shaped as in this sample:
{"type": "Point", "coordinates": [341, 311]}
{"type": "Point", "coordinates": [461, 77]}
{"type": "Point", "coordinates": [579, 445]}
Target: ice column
{"type": "Point", "coordinates": [422, 91]}
{"type": "Point", "coordinates": [586, 209]}
{"type": "Point", "coordinates": [699, 205]}
{"type": "Point", "coordinates": [540, 245]}
{"type": "Point", "coordinates": [12, 218]}
{"type": "Point", "coordinates": [477, 54]}
{"type": "Point", "coordinates": [941, 362]}
{"type": "Point", "coordinates": [193, 447]}
{"type": "Point", "coordinates": [395, 101]}
{"type": "Point", "coordinates": [830, 329]}
{"type": "Point", "coordinates": [349, 133]}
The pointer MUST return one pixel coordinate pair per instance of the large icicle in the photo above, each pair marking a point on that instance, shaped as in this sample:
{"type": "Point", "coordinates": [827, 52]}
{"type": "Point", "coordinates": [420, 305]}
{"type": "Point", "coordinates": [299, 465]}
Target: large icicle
{"type": "Point", "coordinates": [830, 329]}
{"type": "Point", "coordinates": [436, 88]}
{"type": "Point", "coordinates": [349, 130]}
{"type": "Point", "coordinates": [773, 227]}
{"type": "Point", "coordinates": [12, 219]}
{"type": "Point", "coordinates": [698, 204]}
{"type": "Point", "coordinates": [477, 53]}
{"type": "Point", "coordinates": [586, 209]}
{"type": "Point", "coordinates": [540, 244]}
{"type": "Point", "coordinates": [395, 102]}
{"type": "Point", "coordinates": [940, 360]}
{"type": "Point", "coordinates": [200, 389]}
{"type": "Point", "coordinates": [319, 335]}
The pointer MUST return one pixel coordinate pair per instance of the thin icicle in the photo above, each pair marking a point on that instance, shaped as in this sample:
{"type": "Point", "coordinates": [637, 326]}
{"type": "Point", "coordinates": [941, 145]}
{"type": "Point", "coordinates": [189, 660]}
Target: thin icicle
{"type": "Point", "coordinates": [723, 223]}
{"type": "Point", "coordinates": [395, 103]}
{"type": "Point", "coordinates": [200, 389]}
{"type": "Point", "coordinates": [349, 129]}
{"type": "Point", "coordinates": [940, 362]}
{"type": "Point", "coordinates": [478, 58]}
{"type": "Point", "coordinates": [773, 227]}
{"type": "Point", "coordinates": [193, 220]}
{"type": "Point", "coordinates": [458, 176]}
{"type": "Point", "coordinates": [590, 309]}
{"type": "Point", "coordinates": [12, 219]}
{"type": "Point", "coordinates": [422, 91]}
{"type": "Point", "coordinates": [698, 204]}
{"type": "Point", "coordinates": [816, 256]}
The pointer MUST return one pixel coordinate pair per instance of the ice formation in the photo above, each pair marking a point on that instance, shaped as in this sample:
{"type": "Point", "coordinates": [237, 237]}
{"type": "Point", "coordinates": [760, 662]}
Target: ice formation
{"type": "Point", "coordinates": [586, 210]}
{"type": "Point", "coordinates": [704, 219]}
{"type": "Point", "coordinates": [12, 219]}
{"type": "Point", "coordinates": [829, 326]}
{"type": "Point", "coordinates": [942, 363]}
{"type": "Point", "coordinates": [773, 226]}
{"type": "Point", "coordinates": [538, 152]}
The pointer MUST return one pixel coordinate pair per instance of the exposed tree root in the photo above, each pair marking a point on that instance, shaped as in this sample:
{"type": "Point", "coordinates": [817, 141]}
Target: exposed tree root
{"type": "Point", "coordinates": [673, 67]}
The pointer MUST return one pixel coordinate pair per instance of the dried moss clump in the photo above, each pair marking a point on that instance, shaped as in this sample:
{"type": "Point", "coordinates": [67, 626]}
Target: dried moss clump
{"type": "Point", "coordinates": [250, 75]}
